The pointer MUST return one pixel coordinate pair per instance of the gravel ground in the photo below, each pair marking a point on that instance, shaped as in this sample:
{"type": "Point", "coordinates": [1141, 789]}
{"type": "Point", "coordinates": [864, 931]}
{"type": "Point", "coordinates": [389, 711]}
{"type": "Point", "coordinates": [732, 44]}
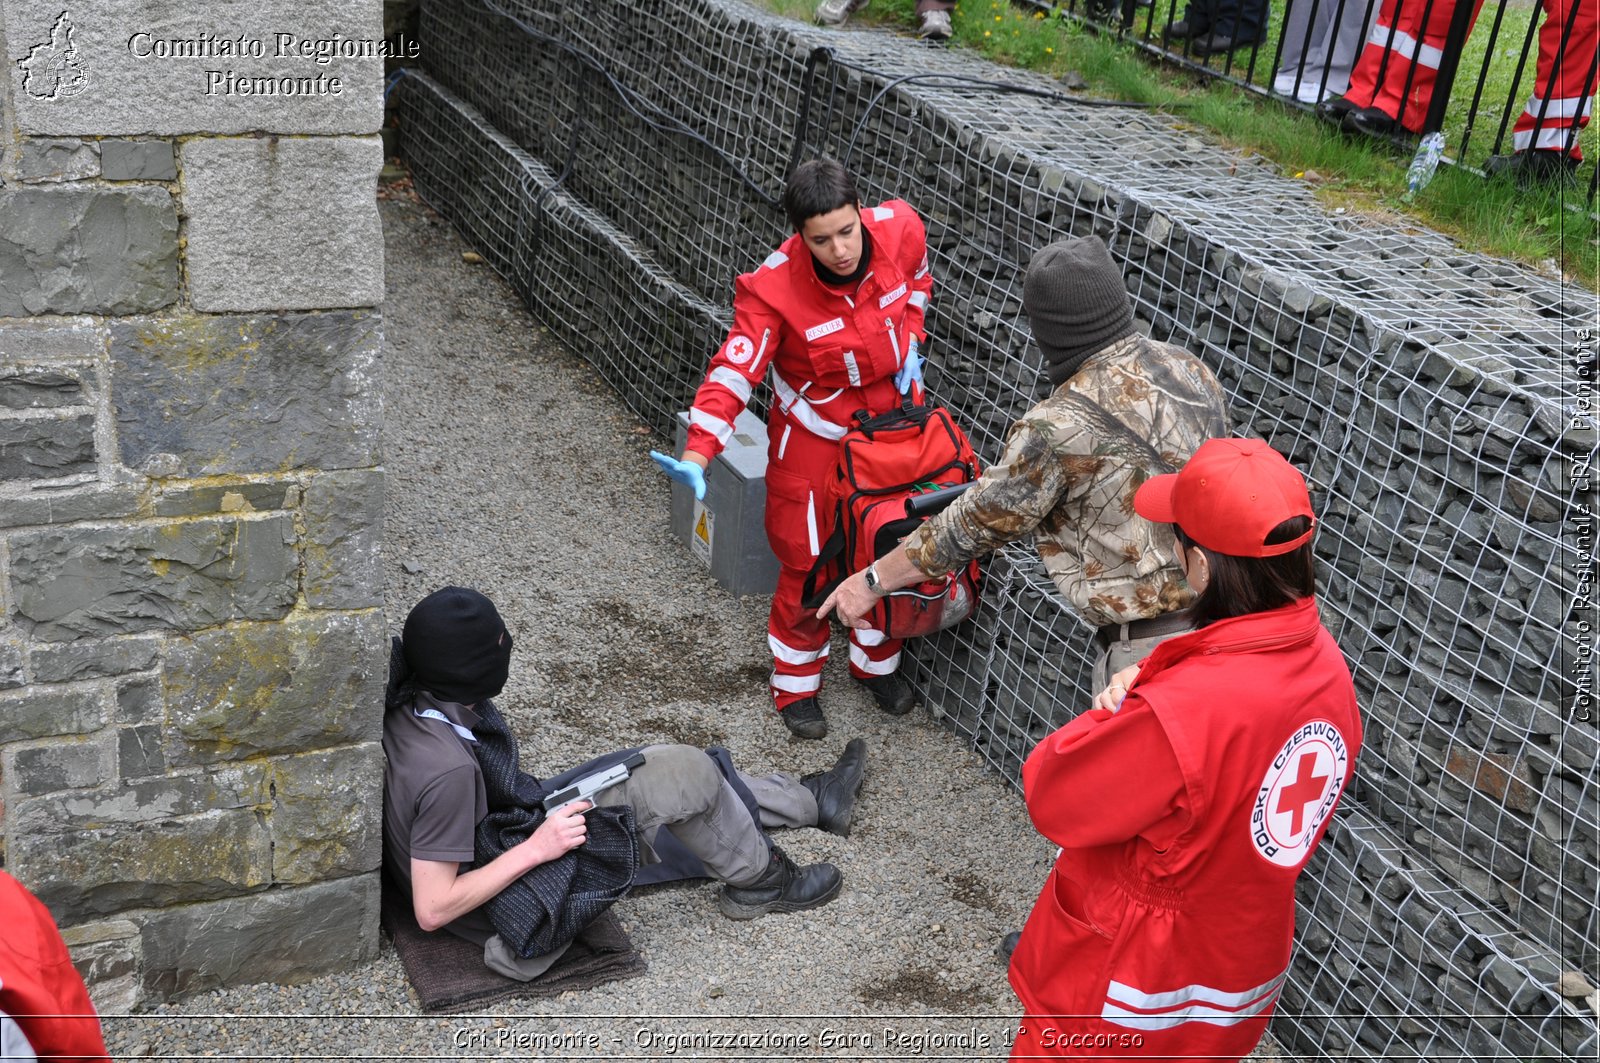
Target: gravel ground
{"type": "Point", "coordinates": [512, 468]}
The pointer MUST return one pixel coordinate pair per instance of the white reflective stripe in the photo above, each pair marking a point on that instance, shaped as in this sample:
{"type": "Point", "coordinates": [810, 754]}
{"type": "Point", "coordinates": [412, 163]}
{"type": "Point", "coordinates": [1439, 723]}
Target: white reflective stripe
{"type": "Point", "coordinates": [882, 213]}
{"type": "Point", "coordinates": [1549, 139]}
{"type": "Point", "coordinates": [796, 407]}
{"type": "Point", "coordinates": [776, 259]}
{"type": "Point", "coordinates": [859, 658]}
{"type": "Point", "coordinates": [919, 300]}
{"type": "Point", "coordinates": [715, 425]}
{"type": "Point", "coordinates": [435, 714]}
{"type": "Point", "coordinates": [789, 655]}
{"type": "Point", "coordinates": [1137, 998]}
{"type": "Point", "coordinates": [797, 684]}
{"type": "Point", "coordinates": [811, 521]}
{"type": "Point", "coordinates": [921, 273]}
{"type": "Point", "coordinates": [783, 440]}
{"type": "Point", "coordinates": [760, 352]}
{"type": "Point", "coordinates": [1406, 46]}
{"type": "Point", "coordinates": [1566, 108]}
{"type": "Point", "coordinates": [869, 636]}
{"type": "Point", "coordinates": [1166, 1020]}
{"type": "Point", "coordinates": [733, 381]}
{"type": "Point", "coordinates": [853, 369]}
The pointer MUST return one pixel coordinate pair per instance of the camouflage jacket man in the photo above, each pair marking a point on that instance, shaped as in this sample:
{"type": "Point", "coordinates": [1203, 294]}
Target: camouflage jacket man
{"type": "Point", "coordinates": [1135, 409]}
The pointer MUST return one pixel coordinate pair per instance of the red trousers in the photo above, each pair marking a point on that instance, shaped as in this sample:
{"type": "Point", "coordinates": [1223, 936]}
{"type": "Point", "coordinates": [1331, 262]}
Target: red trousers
{"type": "Point", "coordinates": [1566, 76]}
{"type": "Point", "coordinates": [1403, 47]}
{"type": "Point", "coordinates": [800, 467]}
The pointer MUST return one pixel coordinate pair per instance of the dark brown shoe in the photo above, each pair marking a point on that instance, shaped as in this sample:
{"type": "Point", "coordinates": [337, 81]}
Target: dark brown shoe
{"type": "Point", "coordinates": [836, 788]}
{"type": "Point", "coordinates": [784, 887]}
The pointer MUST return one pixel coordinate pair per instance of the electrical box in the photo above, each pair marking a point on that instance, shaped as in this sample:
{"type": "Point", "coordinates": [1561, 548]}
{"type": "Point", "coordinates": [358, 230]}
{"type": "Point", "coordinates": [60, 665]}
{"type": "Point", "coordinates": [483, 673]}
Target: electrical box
{"type": "Point", "coordinates": [727, 530]}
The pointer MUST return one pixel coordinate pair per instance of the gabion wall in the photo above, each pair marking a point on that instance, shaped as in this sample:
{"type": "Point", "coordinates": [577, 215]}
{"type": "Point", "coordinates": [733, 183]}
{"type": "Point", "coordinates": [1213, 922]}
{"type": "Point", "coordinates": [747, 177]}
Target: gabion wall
{"type": "Point", "coordinates": [620, 164]}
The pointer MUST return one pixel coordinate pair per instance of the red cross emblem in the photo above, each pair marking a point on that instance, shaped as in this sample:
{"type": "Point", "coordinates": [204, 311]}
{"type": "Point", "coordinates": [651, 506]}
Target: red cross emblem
{"type": "Point", "coordinates": [1306, 788]}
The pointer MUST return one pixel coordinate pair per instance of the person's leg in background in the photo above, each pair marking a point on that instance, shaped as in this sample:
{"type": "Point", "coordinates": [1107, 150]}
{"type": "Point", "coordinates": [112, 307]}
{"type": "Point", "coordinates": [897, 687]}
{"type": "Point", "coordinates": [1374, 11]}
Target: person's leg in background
{"type": "Point", "coordinates": [933, 19]}
{"type": "Point", "coordinates": [1563, 92]}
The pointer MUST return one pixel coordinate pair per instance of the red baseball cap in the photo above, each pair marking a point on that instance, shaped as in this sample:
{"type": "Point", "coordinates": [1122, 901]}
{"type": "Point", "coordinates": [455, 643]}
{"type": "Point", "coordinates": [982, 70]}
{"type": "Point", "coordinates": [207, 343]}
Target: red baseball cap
{"type": "Point", "coordinates": [1229, 496]}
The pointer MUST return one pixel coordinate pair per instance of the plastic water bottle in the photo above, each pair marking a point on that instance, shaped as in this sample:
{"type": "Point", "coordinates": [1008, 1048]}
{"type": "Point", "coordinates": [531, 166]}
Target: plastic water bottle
{"type": "Point", "coordinates": [1424, 163]}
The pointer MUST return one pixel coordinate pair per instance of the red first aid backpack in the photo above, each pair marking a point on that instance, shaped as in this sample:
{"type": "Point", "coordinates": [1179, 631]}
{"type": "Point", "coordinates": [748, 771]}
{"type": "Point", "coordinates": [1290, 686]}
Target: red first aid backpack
{"type": "Point", "coordinates": [883, 463]}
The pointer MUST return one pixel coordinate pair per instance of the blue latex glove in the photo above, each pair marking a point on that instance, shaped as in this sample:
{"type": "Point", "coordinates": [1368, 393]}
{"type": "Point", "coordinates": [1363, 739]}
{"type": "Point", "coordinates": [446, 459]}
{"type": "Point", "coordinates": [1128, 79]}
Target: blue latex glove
{"type": "Point", "coordinates": [911, 372]}
{"type": "Point", "coordinates": [685, 472]}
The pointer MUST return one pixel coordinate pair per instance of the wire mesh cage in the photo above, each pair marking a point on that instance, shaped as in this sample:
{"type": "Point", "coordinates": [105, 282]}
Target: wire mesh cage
{"type": "Point", "coordinates": [621, 162]}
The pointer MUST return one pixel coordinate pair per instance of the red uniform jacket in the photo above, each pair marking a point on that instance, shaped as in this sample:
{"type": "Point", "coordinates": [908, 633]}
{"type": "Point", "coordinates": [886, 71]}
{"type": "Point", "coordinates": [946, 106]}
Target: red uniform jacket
{"type": "Point", "coordinates": [831, 352]}
{"type": "Point", "coordinates": [44, 1008]}
{"type": "Point", "coordinates": [1185, 818]}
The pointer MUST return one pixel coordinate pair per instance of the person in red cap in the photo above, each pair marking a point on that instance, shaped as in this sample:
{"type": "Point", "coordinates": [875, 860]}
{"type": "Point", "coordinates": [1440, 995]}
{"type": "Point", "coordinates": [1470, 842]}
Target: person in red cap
{"type": "Point", "coordinates": [45, 1011]}
{"type": "Point", "coordinates": [1187, 800]}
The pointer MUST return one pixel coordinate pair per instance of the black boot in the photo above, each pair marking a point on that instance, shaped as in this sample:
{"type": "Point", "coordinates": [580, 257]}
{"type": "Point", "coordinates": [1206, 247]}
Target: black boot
{"type": "Point", "coordinates": [836, 788]}
{"type": "Point", "coordinates": [784, 888]}
{"type": "Point", "coordinates": [892, 693]}
{"type": "Point", "coordinates": [804, 718]}
{"type": "Point", "coordinates": [1007, 946]}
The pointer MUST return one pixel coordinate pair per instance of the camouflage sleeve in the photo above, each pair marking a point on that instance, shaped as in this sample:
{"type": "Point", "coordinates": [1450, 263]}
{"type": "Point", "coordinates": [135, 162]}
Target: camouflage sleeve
{"type": "Point", "coordinates": [1007, 503]}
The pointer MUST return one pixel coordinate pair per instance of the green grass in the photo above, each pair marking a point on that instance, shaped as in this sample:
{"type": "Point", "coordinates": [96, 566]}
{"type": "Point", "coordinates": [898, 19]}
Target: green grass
{"type": "Point", "coordinates": [1531, 226]}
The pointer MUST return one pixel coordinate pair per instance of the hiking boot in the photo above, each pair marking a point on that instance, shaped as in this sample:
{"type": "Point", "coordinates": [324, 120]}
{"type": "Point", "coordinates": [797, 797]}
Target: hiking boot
{"type": "Point", "coordinates": [1182, 30]}
{"type": "Point", "coordinates": [1334, 108]}
{"type": "Point", "coordinates": [1222, 43]}
{"type": "Point", "coordinates": [836, 788]}
{"type": "Point", "coordinates": [1529, 168]}
{"type": "Point", "coordinates": [784, 887]}
{"type": "Point", "coordinates": [935, 26]}
{"type": "Point", "coordinates": [892, 693]}
{"type": "Point", "coordinates": [1373, 122]}
{"type": "Point", "coordinates": [804, 718]}
{"type": "Point", "coordinates": [837, 12]}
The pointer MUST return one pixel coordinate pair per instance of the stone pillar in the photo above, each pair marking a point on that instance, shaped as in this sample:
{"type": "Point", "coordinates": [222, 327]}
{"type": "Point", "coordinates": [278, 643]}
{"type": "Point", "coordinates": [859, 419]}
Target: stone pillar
{"type": "Point", "coordinates": [192, 647]}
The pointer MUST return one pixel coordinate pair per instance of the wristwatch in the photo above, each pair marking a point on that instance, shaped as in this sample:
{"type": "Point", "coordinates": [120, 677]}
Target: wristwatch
{"type": "Point", "coordinates": [874, 584]}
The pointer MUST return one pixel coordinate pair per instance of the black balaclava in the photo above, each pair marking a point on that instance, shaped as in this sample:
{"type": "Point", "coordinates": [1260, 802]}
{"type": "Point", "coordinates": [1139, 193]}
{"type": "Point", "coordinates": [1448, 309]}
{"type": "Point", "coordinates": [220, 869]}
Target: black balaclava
{"type": "Point", "coordinates": [457, 647]}
{"type": "Point", "coordinates": [1076, 303]}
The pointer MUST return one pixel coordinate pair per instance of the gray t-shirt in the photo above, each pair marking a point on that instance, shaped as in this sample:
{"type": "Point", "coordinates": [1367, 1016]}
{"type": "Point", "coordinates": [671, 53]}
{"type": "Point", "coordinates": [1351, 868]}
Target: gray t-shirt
{"type": "Point", "coordinates": [432, 796]}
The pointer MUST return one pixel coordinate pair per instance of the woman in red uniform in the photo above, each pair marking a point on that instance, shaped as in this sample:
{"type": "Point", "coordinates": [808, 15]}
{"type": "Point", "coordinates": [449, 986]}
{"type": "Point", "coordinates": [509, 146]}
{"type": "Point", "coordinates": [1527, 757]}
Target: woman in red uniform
{"type": "Point", "coordinates": [1187, 800]}
{"type": "Point", "coordinates": [835, 317]}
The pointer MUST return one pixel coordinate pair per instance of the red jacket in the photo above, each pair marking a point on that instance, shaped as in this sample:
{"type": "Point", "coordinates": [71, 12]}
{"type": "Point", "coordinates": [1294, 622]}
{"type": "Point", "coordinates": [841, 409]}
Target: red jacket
{"type": "Point", "coordinates": [42, 997]}
{"type": "Point", "coordinates": [831, 352]}
{"type": "Point", "coordinates": [1185, 819]}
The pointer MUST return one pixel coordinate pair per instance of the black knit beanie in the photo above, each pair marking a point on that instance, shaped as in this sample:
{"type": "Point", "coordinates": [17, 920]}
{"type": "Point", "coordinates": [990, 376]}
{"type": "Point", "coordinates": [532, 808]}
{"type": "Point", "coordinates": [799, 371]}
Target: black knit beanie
{"type": "Point", "coordinates": [456, 646]}
{"type": "Point", "coordinates": [1076, 303]}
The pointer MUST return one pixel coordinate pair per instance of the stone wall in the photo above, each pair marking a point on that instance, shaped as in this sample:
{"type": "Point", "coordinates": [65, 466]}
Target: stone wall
{"type": "Point", "coordinates": [1428, 393]}
{"type": "Point", "coordinates": [191, 641]}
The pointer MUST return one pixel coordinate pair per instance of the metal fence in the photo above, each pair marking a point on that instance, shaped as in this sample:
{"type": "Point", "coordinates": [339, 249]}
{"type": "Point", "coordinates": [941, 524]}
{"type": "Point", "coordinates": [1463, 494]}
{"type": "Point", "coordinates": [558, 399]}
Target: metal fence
{"type": "Point", "coordinates": [1496, 78]}
{"type": "Point", "coordinates": [618, 162]}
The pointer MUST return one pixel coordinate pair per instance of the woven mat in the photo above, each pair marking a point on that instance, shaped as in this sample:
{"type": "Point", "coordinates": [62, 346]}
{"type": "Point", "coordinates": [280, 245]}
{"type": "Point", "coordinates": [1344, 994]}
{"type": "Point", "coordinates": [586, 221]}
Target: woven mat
{"type": "Point", "coordinates": [449, 976]}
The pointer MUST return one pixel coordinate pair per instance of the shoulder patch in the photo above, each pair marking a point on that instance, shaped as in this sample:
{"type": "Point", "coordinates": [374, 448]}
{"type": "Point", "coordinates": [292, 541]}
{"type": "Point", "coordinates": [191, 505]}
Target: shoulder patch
{"type": "Point", "coordinates": [1298, 792]}
{"type": "Point", "coordinates": [774, 260]}
{"type": "Point", "coordinates": [882, 213]}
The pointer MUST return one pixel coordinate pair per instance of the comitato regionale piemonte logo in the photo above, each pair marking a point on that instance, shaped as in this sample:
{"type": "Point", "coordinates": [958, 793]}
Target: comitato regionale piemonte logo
{"type": "Point", "coordinates": [53, 70]}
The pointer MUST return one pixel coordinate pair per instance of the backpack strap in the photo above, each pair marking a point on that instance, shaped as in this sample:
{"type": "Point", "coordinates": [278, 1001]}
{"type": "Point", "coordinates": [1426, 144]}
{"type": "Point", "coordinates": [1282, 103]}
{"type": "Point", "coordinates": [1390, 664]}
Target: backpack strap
{"type": "Point", "coordinates": [832, 550]}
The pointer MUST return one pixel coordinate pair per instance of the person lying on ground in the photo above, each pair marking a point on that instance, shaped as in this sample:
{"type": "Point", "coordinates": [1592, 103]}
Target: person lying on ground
{"type": "Point", "coordinates": [467, 837]}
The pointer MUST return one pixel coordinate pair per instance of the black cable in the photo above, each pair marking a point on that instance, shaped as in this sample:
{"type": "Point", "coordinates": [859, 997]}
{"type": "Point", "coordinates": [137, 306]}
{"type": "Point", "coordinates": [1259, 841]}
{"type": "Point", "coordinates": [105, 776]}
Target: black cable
{"type": "Point", "coordinates": [666, 124]}
{"type": "Point", "coordinates": [959, 80]}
